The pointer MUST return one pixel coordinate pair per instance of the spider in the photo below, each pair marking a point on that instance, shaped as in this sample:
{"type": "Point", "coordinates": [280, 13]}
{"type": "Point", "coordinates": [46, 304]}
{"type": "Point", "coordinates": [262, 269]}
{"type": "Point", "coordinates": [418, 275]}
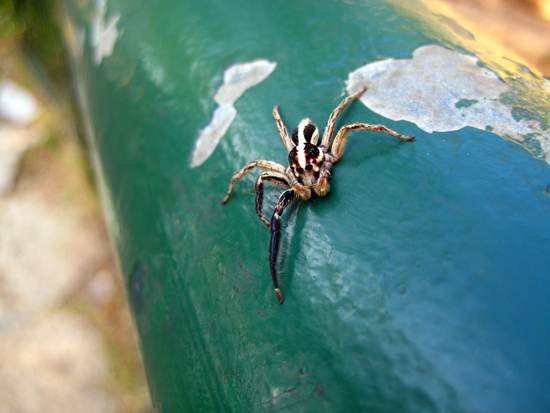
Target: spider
{"type": "Point", "coordinates": [308, 172]}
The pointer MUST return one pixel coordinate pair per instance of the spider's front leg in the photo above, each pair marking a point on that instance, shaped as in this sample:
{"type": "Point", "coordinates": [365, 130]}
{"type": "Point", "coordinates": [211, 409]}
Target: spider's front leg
{"type": "Point", "coordinates": [301, 190]}
{"type": "Point", "coordinates": [340, 139]}
{"type": "Point", "coordinates": [282, 129]}
{"type": "Point", "coordinates": [322, 186]}
{"type": "Point", "coordinates": [276, 179]}
{"type": "Point", "coordinates": [331, 123]}
{"type": "Point", "coordinates": [267, 165]}
{"type": "Point", "coordinates": [285, 199]}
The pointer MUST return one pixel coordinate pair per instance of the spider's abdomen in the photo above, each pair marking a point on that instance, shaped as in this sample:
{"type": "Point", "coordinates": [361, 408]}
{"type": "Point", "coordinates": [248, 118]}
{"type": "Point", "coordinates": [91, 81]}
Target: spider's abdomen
{"type": "Point", "coordinates": [305, 132]}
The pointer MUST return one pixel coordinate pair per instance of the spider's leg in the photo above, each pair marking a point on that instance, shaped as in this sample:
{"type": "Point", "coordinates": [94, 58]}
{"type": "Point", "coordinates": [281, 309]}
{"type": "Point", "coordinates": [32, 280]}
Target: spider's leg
{"type": "Point", "coordinates": [267, 165]}
{"type": "Point", "coordinates": [340, 140]}
{"type": "Point", "coordinates": [284, 200]}
{"type": "Point", "coordinates": [276, 179]}
{"type": "Point", "coordinates": [282, 129]}
{"type": "Point", "coordinates": [322, 186]}
{"type": "Point", "coordinates": [329, 130]}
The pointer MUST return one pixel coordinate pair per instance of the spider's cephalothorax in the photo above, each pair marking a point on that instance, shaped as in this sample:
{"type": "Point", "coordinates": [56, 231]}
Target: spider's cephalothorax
{"type": "Point", "coordinates": [308, 170]}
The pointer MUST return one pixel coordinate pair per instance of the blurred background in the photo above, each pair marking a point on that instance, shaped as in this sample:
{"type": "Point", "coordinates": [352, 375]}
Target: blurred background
{"type": "Point", "coordinates": [67, 342]}
{"type": "Point", "coordinates": [66, 334]}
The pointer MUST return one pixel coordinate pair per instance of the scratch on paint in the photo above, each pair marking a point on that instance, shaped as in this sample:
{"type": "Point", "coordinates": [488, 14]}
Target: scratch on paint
{"type": "Point", "coordinates": [236, 80]}
{"type": "Point", "coordinates": [443, 90]}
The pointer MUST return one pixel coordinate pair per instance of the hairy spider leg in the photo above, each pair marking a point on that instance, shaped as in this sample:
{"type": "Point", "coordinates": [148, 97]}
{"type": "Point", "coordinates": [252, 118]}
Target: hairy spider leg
{"type": "Point", "coordinates": [340, 140]}
{"type": "Point", "coordinates": [267, 165]}
{"type": "Point", "coordinates": [329, 130]}
{"type": "Point", "coordinates": [276, 179]}
{"type": "Point", "coordinates": [285, 199]}
{"type": "Point", "coordinates": [289, 145]}
{"type": "Point", "coordinates": [322, 186]}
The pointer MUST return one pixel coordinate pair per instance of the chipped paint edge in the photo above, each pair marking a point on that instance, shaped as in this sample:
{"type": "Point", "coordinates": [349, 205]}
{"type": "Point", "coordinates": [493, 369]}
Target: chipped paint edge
{"type": "Point", "coordinates": [237, 79]}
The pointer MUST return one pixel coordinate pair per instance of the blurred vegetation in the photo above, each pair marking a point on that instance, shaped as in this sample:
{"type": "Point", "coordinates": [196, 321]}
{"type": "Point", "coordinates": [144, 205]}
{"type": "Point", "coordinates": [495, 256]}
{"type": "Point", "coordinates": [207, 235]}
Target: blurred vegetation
{"type": "Point", "coordinates": [7, 21]}
{"type": "Point", "coordinates": [32, 26]}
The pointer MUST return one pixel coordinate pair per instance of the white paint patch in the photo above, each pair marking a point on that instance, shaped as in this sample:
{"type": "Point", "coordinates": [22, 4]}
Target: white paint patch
{"type": "Point", "coordinates": [104, 34]}
{"type": "Point", "coordinates": [236, 80]}
{"type": "Point", "coordinates": [442, 90]}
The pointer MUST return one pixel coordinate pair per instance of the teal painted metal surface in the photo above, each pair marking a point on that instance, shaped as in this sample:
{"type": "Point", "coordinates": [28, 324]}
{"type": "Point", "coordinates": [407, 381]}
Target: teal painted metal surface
{"type": "Point", "coordinates": [419, 284]}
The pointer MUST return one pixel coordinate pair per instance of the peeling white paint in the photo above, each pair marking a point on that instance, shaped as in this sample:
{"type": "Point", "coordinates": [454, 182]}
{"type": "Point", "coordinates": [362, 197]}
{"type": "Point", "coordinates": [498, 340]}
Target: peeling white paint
{"type": "Point", "coordinates": [104, 34]}
{"type": "Point", "coordinates": [442, 90]}
{"type": "Point", "coordinates": [236, 80]}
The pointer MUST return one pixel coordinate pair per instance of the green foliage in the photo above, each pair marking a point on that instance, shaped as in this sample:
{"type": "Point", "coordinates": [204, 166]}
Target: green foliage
{"type": "Point", "coordinates": [41, 38]}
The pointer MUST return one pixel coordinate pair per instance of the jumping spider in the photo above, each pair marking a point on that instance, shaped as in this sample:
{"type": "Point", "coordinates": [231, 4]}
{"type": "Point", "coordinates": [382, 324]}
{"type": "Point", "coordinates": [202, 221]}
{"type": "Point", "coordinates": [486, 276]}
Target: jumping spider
{"type": "Point", "coordinates": [308, 171]}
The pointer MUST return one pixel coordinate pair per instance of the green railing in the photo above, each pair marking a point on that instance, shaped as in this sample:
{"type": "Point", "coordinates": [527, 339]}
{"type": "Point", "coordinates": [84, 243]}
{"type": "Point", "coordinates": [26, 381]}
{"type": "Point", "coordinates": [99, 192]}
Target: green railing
{"type": "Point", "coordinates": [419, 284]}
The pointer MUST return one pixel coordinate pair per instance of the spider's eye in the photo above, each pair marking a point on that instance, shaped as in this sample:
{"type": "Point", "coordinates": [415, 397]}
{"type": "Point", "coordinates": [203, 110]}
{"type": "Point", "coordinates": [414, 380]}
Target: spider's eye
{"type": "Point", "coordinates": [300, 170]}
{"type": "Point", "coordinates": [309, 167]}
